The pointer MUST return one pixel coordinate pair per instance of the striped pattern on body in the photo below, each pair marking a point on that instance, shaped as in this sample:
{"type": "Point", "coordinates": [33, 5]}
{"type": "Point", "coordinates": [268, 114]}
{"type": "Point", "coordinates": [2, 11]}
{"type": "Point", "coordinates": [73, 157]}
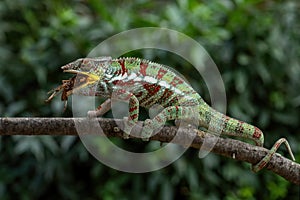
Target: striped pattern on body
{"type": "Point", "coordinates": [153, 83]}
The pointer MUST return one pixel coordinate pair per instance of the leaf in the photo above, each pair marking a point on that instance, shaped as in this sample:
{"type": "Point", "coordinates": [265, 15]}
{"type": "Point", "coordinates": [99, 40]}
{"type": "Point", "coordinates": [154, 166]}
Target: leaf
{"type": "Point", "coordinates": [50, 143]}
{"type": "Point", "coordinates": [15, 108]}
{"type": "Point", "coordinates": [67, 141]}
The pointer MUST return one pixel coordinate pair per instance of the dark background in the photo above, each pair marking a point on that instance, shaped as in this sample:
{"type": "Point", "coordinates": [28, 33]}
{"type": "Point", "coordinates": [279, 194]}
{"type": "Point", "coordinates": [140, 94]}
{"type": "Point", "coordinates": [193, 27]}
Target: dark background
{"type": "Point", "coordinates": [255, 44]}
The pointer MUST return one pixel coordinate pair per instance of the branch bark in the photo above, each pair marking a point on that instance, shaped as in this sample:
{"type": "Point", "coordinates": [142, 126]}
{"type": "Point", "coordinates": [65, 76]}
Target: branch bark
{"type": "Point", "coordinates": [223, 146]}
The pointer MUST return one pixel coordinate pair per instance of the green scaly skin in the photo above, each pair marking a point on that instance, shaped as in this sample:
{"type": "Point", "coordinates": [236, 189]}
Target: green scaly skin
{"type": "Point", "coordinates": [145, 84]}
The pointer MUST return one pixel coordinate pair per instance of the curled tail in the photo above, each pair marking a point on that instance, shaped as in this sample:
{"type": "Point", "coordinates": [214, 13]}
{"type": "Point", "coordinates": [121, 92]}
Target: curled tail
{"type": "Point", "coordinates": [261, 164]}
{"type": "Point", "coordinates": [217, 122]}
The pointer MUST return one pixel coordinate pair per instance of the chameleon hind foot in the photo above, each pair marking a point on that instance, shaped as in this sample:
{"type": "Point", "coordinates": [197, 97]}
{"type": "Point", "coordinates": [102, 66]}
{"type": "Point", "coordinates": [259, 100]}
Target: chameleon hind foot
{"type": "Point", "coordinates": [257, 167]}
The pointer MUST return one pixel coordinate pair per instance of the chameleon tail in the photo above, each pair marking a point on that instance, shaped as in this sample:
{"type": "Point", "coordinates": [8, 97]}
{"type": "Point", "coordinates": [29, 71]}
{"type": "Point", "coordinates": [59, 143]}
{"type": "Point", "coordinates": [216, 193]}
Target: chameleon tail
{"type": "Point", "coordinates": [270, 154]}
{"type": "Point", "coordinates": [237, 128]}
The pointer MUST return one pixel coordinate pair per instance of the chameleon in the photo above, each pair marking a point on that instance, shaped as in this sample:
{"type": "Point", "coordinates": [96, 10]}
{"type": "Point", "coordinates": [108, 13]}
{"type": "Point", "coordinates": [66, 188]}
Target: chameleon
{"type": "Point", "coordinates": [144, 84]}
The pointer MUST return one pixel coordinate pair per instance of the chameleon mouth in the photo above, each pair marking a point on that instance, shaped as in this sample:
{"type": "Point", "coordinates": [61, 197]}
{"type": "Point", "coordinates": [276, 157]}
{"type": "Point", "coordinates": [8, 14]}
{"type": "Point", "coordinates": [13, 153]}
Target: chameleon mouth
{"type": "Point", "coordinates": [68, 87]}
{"type": "Point", "coordinates": [83, 78]}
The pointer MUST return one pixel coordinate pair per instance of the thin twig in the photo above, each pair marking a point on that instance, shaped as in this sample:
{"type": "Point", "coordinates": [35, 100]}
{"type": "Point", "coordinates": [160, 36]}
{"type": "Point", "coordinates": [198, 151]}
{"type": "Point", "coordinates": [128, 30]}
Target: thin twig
{"type": "Point", "coordinates": [226, 147]}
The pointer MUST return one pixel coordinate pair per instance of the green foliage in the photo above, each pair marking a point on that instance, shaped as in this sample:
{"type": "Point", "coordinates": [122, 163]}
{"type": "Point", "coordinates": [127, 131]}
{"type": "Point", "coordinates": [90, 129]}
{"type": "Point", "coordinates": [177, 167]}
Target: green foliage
{"type": "Point", "coordinates": [253, 42]}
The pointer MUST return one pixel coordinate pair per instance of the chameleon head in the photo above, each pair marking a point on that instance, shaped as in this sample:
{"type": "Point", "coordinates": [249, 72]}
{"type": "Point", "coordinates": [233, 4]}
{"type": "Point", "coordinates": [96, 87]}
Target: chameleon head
{"type": "Point", "coordinates": [89, 71]}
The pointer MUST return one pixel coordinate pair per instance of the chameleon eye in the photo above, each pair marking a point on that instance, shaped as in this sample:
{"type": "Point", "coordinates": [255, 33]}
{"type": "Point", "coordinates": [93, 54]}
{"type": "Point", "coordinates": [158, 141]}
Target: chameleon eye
{"type": "Point", "coordinates": [78, 63]}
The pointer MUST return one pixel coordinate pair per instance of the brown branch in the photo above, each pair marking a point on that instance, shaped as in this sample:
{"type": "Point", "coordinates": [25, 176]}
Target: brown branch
{"type": "Point", "coordinates": [226, 147]}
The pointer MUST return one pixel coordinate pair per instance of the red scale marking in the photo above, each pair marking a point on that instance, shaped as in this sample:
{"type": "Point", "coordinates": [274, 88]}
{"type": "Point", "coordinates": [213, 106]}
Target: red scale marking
{"type": "Point", "coordinates": [240, 128]}
{"type": "Point", "coordinates": [118, 72]}
{"type": "Point", "coordinates": [225, 122]}
{"type": "Point", "coordinates": [123, 83]}
{"type": "Point", "coordinates": [177, 109]}
{"type": "Point", "coordinates": [122, 63]}
{"type": "Point", "coordinates": [161, 72]}
{"type": "Point", "coordinates": [152, 89]}
{"type": "Point", "coordinates": [143, 67]}
{"type": "Point", "coordinates": [226, 119]}
{"type": "Point", "coordinates": [134, 116]}
{"type": "Point", "coordinates": [139, 94]}
{"type": "Point", "coordinates": [130, 82]}
{"type": "Point", "coordinates": [176, 81]}
{"type": "Point", "coordinates": [262, 164]}
{"type": "Point", "coordinates": [117, 82]}
{"type": "Point", "coordinates": [129, 96]}
{"type": "Point", "coordinates": [131, 109]}
{"type": "Point", "coordinates": [167, 93]}
{"type": "Point", "coordinates": [257, 133]}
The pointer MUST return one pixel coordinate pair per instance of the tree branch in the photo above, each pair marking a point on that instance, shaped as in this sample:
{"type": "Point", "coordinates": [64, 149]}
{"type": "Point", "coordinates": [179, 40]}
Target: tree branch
{"type": "Point", "coordinates": [226, 147]}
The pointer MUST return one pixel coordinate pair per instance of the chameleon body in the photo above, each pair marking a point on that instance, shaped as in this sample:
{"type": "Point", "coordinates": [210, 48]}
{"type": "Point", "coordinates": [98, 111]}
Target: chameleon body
{"type": "Point", "coordinates": [145, 83]}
